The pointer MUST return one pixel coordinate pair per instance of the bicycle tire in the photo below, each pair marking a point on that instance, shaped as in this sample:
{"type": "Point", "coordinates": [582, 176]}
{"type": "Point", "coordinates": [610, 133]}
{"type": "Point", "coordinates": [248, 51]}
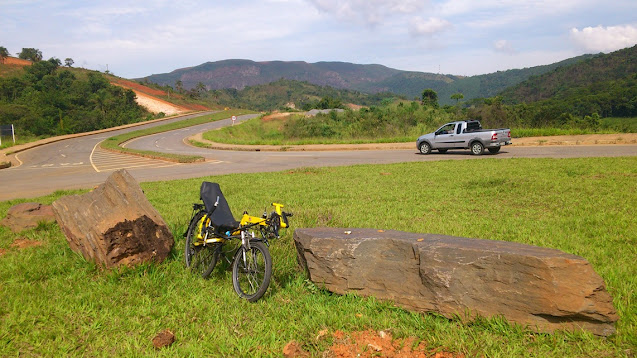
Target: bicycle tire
{"type": "Point", "coordinates": [199, 258]}
{"type": "Point", "coordinates": [252, 277]}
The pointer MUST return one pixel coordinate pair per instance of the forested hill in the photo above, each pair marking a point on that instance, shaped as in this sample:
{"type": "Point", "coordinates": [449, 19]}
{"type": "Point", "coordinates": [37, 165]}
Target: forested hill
{"type": "Point", "coordinates": [45, 99]}
{"type": "Point", "coordinates": [596, 75]}
{"type": "Point", "coordinates": [489, 85]}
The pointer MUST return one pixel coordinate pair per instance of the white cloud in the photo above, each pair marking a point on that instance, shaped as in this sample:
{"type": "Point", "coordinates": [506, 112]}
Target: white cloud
{"type": "Point", "coordinates": [431, 26]}
{"type": "Point", "coordinates": [371, 12]}
{"type": "Point", "coordinates": [504, 46]}
{"type": "Point", "coordinates": [605, 39]}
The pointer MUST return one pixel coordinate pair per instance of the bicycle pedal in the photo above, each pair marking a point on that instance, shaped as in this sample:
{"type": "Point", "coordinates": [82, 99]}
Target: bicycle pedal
{"type": "Point", "coordinates": [214, 240]}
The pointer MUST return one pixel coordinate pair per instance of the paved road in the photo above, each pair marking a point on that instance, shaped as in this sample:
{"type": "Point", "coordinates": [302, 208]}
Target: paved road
{"type": "Point", "coordinates": [80, 163]}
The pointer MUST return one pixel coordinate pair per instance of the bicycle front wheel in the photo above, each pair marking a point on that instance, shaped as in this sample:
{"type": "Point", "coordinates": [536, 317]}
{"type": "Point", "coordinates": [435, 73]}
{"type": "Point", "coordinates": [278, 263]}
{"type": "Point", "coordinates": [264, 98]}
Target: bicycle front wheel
{"type": "Point", "coordinates": [251, 271]}
{"type": "Point", "coordinates": [200, 258]}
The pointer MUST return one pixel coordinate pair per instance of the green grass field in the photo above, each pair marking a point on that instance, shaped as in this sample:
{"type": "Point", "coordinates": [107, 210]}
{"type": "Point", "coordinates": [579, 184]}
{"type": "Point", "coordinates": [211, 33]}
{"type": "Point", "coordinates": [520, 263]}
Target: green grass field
{"type": "Point", "coordinates": [55, 303]}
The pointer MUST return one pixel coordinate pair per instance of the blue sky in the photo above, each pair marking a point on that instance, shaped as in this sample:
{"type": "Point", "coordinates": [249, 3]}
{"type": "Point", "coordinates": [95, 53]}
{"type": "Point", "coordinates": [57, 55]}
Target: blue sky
{"type": "Point", "coordinates": [460, 37]}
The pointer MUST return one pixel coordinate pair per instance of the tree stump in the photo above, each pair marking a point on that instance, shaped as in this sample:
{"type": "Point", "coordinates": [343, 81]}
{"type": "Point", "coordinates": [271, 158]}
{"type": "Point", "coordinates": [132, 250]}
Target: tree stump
{"type": "Point", "coordinates": [115, 224]}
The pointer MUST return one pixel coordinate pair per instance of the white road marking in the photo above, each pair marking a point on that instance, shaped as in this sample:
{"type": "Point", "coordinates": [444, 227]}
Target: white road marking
{"type": "Point", "coordinates": [91, 156]}
{"type": "Point", "coordinates": [103, 160]}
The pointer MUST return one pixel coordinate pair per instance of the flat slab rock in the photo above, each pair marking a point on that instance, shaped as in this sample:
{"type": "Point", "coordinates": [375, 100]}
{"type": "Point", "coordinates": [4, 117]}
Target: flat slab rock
{"type": "Point", "coordinates": [543, 289]}
{"type": "Point", "coordinates": [27, 216]}
{"type": "Point", "coordinates": [114, 224]}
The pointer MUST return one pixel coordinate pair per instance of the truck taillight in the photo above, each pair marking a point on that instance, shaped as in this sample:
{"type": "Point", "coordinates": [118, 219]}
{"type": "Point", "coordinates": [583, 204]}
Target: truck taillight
{"type": "Point", "coordinates": [494, 136]}
{"type": "Point", "coordinates": [509, 134]}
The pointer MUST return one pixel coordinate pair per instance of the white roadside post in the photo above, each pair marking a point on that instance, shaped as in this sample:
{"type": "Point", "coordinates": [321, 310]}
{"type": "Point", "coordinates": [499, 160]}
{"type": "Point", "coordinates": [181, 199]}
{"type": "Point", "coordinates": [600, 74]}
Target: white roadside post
{"type": "Point", "coordinates": [234, 118]}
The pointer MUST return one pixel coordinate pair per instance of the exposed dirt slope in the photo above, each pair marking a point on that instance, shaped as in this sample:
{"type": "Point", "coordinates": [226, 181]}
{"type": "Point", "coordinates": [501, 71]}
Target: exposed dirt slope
{"type": "Point", "coordinates": [154, 104]}
{"type": "Point", "coordinates": [14, 61]}
{"type": "Point", "coordinates": [148, 97]}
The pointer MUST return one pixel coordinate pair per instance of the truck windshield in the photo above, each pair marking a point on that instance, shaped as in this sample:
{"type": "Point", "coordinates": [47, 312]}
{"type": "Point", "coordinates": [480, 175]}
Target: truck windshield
{"type": "Point", "coordinates": [446, 129]}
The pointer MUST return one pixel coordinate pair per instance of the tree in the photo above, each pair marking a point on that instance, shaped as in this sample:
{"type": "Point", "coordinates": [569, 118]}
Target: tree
{"type": "Point", "coordinates": [457, 96]}
{"type": "Point", "coordinates": [68, 62]}
{"type": "Point", "coordinates": [31, 54]}
{"type": "Point", "coordinates": [55, 61]}
{"type": "Point", "coordinates": [200, 88]}
{"type": "Point", "coordinates": [430, 98]}
{"type": "Point", "coordinates": [179, 86]}
{"type": "Point", "coordinates": [4, 53]}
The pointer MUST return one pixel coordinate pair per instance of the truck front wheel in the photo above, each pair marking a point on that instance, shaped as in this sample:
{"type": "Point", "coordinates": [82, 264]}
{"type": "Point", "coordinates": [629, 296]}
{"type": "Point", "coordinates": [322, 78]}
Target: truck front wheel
{"type": "Point", "coordinates": [477, 148]}
{"type": "Point", "coordinates": [425, 148]}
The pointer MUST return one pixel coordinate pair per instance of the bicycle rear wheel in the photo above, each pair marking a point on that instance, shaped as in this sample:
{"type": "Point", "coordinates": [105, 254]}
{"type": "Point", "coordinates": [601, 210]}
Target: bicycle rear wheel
{"type": "Point", "coordinates": [200, 258]}
{"type": "Point", "coordinates": [251, 271]}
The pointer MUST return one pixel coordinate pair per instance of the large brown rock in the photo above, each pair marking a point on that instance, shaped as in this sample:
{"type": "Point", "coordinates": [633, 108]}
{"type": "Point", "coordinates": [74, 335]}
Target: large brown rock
{"type": "Point", "coordinates": [27, 216]}
{"type": "Point", "coordinates": [114, 224]}
{"type": "Point", "coordinates": [544, 289]}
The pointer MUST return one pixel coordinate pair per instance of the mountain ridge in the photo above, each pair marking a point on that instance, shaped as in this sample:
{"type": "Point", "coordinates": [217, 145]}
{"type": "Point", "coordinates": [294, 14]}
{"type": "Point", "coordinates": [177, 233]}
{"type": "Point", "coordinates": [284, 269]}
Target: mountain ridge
{"type": "Point", "coordinates": [369, 78]}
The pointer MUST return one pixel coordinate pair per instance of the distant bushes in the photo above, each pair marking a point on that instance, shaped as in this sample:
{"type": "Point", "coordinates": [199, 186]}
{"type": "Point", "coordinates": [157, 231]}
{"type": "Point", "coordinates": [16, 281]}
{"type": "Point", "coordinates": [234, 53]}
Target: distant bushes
{"type": "Point", "coordinates": [394, 121]}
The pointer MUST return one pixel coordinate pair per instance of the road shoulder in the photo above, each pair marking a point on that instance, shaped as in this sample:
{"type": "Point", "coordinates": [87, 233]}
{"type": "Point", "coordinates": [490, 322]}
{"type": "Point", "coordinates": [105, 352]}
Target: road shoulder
{"type": "Point", "coordinates": [587, 139]}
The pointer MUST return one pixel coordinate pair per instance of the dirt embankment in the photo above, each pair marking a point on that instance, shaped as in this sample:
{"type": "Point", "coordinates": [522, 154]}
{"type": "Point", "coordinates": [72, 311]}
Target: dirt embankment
{"type": "Point", "coordinates": [147, 97]}
{"type": "Point", "coordinates": [13, 61]}
{"type": "Point", "coordinates": [154, 104]}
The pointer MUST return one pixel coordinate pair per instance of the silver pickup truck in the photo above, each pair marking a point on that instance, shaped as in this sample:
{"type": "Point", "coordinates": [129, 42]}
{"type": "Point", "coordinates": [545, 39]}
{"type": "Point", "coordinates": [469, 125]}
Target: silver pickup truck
{"type": "Point", "coordinates": [464, 135]}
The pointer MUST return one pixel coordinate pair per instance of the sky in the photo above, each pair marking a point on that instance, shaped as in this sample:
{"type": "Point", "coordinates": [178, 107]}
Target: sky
{"type": "Point", "coordinates": [134, 39]}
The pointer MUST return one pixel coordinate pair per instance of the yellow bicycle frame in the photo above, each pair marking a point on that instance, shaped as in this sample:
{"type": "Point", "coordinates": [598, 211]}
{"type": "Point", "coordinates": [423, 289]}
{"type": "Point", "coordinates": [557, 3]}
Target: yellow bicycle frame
{"type": "Point", "coordinates": [248, 219]}
{"type": "Point", "coordinates": [245, 220]}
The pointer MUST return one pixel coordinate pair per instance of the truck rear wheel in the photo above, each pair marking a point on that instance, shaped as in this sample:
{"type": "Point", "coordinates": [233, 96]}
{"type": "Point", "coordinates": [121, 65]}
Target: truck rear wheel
{"type": "Point", "coordinates": [494, 150]}
{"type": "Point", "coordinates": [477, 148]}
{"type": "Point", "coordinates": [425, 148]}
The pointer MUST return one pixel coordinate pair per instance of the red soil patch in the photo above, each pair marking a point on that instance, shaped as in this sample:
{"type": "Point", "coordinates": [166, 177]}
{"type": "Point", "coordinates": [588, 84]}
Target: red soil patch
{"type": "Point", "coordinates": [137, 87]}
{"type": "Point", "coordinates": [25, 243]}
{"type": "Point", "coordinates": [195, 107]}
{"type": "Point", "coordinates": [14, 61]}
{"type": "Point", "coordinates": [2, 252]}
{"type": "Point", "coordinates": [371, 344]}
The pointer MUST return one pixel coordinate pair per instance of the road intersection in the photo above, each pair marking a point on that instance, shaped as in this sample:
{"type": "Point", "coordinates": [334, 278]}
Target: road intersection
{"type": "Point", "coordinates": [81, 163]}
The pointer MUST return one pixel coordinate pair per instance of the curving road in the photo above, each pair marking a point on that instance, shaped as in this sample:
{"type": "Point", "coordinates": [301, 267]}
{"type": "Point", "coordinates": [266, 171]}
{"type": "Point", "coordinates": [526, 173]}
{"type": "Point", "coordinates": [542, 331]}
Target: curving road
{"type": "Point", "coordinates": [80, 163]}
